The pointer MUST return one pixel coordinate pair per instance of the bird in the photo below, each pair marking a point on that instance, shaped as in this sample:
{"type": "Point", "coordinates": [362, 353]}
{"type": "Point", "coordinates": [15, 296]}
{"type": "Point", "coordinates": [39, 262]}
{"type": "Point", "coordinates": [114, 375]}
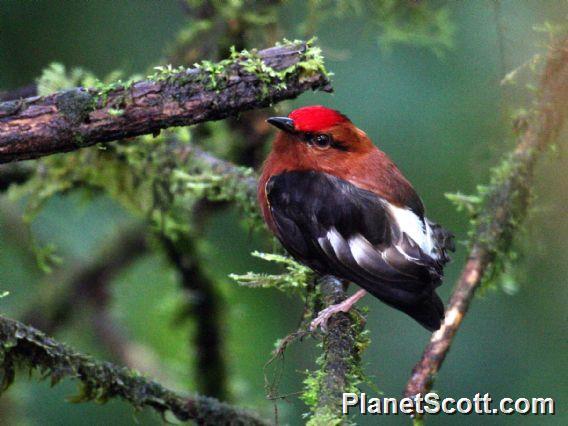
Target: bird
{"type": "Point", "coordinates": [341, 206]}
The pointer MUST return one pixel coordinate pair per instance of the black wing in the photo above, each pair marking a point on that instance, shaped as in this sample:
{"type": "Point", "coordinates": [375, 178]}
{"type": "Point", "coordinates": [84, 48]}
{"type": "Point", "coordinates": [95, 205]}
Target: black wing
{"type": "Point", "coordinates": [336, 228]}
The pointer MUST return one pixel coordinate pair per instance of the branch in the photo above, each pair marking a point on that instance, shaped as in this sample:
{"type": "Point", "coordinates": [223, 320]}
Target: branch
{"type": "Point", "coordinates": [248, 182]}
{"type": "Point", "coordinates": [340, 361]}
{"type": "Point", "coordinates": [69, 120]}
{"type": "Point", "coordinates": [24, 346]}
{"type": "Point", "coordinates": [506, 206]}
{"type": "Point", "coordinates": [204, 307]}
{"type": "Point", "coordinates": [19, 93]}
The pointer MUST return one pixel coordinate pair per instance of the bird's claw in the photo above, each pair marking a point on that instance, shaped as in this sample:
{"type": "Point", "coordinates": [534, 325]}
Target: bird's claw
{"type": "Point", "coordinates": [345, 306]}
{"type": "Point", "coordinates": [324, 316]}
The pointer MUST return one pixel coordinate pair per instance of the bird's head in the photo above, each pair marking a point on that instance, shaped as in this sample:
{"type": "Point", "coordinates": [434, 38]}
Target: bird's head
{"type": "Point", "coordinates": [320, 133]}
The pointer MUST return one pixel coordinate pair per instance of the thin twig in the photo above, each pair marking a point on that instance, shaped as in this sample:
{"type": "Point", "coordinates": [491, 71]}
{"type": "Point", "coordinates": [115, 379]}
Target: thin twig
{"type": "Point", "coordinates": [507, 201]}
{"type": "Point", "coordinates": [25, 346]}
{"type": "Point", "coordinates": [80, 117]}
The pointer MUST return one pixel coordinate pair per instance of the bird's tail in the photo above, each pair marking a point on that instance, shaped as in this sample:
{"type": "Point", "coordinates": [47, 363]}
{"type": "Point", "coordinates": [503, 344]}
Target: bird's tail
{"type": "Point", "coordinates": [429, 312]}
{"type": "Point", "coordinates": [444, 241]}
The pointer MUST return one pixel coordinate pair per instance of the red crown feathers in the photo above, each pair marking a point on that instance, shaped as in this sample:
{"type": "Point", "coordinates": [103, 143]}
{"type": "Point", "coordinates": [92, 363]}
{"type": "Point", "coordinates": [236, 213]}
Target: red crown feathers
{"type": "Point", "coordinates": [316, 118]}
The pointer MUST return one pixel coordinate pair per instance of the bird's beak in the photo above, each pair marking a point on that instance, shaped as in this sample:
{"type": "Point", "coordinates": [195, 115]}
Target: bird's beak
{"type": "Point", "coordinates": [283, 123]}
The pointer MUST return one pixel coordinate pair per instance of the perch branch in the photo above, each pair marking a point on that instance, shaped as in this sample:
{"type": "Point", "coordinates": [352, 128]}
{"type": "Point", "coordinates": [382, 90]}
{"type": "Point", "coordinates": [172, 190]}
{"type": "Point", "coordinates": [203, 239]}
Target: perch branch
{"type": "Point", "coordinates": [340, 367]}
{"type": "Point", "coordinates": [25, 346]}
{"type": "Point", "coordinates": [72, 119]}
{"type": "Point", "coordinates": [507, 202]}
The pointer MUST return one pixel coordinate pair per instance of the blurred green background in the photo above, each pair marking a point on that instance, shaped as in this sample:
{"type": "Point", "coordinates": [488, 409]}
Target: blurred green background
{"type": "Point", "coordinates": [442, 116]}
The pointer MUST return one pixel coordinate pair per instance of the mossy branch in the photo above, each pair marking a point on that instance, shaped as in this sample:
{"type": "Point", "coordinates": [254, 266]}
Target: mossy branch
{"type": "Point", "coordinates": [506, 201]}
{"type": "Point", "coordinates": [340, 362]}
{"type": "Point", "coordinates": [23, 346]}
{"type": "Point", "coordinates": [339, 365]}
{"type": "Point", "coordinates": [80, 117]}
{"type": "Point", "coordinates": [235, 179]}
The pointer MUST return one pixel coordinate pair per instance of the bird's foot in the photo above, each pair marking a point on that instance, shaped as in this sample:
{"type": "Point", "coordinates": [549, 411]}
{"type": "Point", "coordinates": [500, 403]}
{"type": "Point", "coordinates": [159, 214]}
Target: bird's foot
{"type": "Point", "coordinates": [325, 314]}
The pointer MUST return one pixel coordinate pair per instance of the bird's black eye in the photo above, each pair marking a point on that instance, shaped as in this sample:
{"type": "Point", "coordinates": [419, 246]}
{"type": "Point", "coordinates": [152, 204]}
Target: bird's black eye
{"type": "Point", "coordinates": [322, 141]}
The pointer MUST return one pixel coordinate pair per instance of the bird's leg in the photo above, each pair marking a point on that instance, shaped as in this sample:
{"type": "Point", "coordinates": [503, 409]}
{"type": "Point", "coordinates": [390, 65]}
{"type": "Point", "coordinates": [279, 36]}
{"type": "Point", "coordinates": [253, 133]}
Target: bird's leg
{"type": "Point", "coordinates": [324, 315]}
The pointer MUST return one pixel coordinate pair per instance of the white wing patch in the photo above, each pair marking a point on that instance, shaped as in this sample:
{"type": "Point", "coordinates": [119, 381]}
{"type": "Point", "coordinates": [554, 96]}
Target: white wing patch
{"type": "Point", "coordinates": [364, 253]}
{"type": "Point", "coordinates": [358, 248]}
{"type": "Point", "coordinates": [417, 230]}
{"type": "Point", "coordinates": [336, 240]}
{"type": "Point", "coordinates": [338, 244]}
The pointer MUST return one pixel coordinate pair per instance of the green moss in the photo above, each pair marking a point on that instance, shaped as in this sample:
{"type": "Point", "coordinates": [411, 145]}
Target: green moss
{"type": "Point", "coordinates": [115, 112]}
{"type": "Point", "coordinates": [496, 213]}
{"type": "Point", "coordinates": [23, 347]}
{"type": "Point", "coordinates": [103, 90]}
{"type": "Point", "coordinates": [319, 395]}
{"type": "Point", "coordinates": [216, 75]}
{"type": "Point", "coordinates": [203, 181]}
{"type": "Point", "coordinates": [312, 63]}
{"type": "Point", "coordinates": [295, 278]}
{"type": "Point", "coordinates": [75, 105]}
{"type": "Point", "coordinates": [76, 102]}
{"type": "Point", "coordinates": [328, 417]}
{"type": "Point", "coordinates": [166, 72]}
{"type": "Point", "coordinates": [55, 78]}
